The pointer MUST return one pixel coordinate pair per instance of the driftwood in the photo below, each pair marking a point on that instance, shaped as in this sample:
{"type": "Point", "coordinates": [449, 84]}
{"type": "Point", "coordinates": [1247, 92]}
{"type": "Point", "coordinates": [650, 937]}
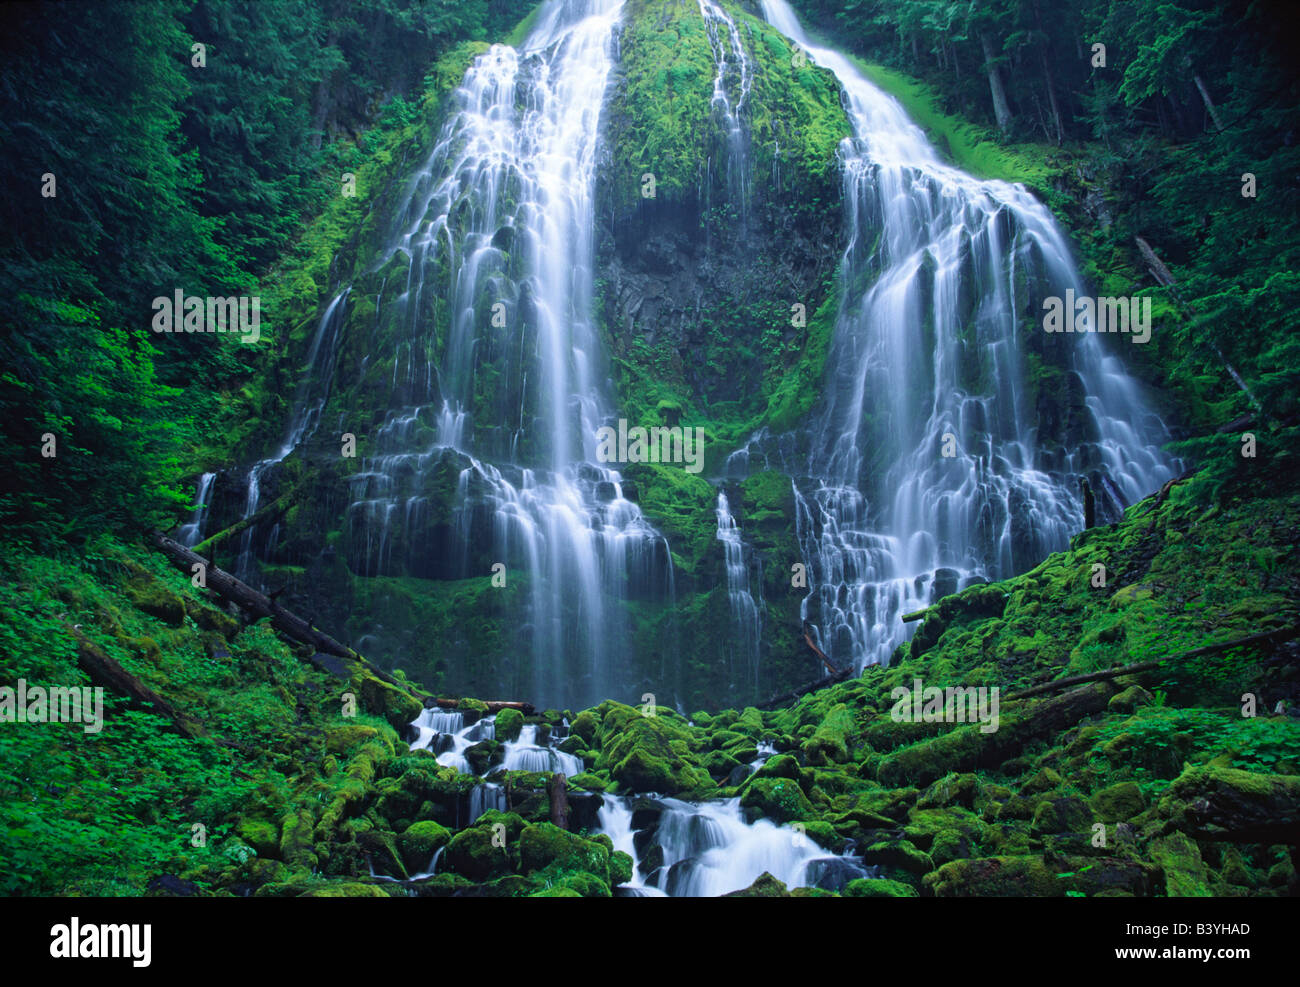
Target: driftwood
{"type": "Point", "coordinates": [558, 794]}
{"type": "Point", "coordinates": [107, 672]}
{"type": "Point", "coordinates": [493, 705]}
{"type": "Point", "coordinates": [1282, 634]}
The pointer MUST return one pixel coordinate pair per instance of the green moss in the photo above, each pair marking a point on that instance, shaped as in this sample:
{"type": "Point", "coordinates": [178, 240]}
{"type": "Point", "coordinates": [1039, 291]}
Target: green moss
{"type": "Point", "coordinates": [544, 845]}
{"type": "Point", "coordinates": [878, 888]}
{"type": "Point", "coordinates": [508, 724]}
{"type": "Point", "coordinates": [778, 799]}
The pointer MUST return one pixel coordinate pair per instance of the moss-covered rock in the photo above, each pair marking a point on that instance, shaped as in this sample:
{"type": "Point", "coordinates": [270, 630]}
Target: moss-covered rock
{"type": "Point", "coordinates": [543, 845]}
{"type": "Point", "coordinates": [764, 886]}
{"type": "Point", "coordinates": [1119, 802]}
{"type": "Point", "coordinates": [508, 724]}
{"type": "Point", "coordinates": [1227, 804]}
{"type": "Point", "coordinates": [778, 799]}
{"type": "Point", "coordinates": [420, 841]}
{"type": "Point", "coordinates": [830, 743]}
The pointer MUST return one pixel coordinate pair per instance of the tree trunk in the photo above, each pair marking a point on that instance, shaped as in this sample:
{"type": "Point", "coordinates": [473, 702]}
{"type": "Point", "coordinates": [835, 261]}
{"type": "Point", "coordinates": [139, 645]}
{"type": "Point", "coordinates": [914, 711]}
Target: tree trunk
{"type": "Point", "coordinates": [1209, 104]}
{"type": "Point", "coordinates": [493, 705]}
{"type": "Point", "coordinates": [1163, 275]}
{"type": "Point", "coordinates": [1000, 108]}
{"type": "Point", "coordinates": [559, 801]}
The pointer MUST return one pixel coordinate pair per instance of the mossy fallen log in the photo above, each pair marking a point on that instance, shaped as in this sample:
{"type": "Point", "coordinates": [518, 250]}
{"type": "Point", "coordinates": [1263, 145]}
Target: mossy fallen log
{"type": "Point", "coordinates": [493, 705]}
{"type": "Point", "coordinates": [969, 747]}
{"type": "Point", "coordinates": [1274, 636]}
{"type": "Point", "coordinates": [257, 604]}
{"type": "Point", "coordinates": [107, 672]}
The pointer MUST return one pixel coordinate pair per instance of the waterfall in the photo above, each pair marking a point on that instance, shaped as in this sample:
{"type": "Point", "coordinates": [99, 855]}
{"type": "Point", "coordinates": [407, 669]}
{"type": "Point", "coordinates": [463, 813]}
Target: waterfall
{"type": "Point", "coordinates": [308, 403]}
{"type": "Point", "coordinates": [191, 533]}
{"type": "Point", "coordinates": [747, 621]}
{"type": "Point", "coordinates": [502, 387]}
{"type": "Point", "coordinates": [927, 471]}
{"type": "Point", "coordinates": [731, 86]}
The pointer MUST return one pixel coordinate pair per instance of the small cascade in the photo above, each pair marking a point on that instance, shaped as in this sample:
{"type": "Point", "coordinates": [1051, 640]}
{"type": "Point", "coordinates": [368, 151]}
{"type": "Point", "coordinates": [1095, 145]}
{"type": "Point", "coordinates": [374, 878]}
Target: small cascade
{"type": "Point", "coordinates": [444, 732]}
{"type": "Point", "coordinates": [309, 402]}
{"type": "Point", "coordinates": [708, 849]}
{"type": "Point", "coordinates": [731, 86]}
{"type": "Point", "coordinates": [191, 533]}
{"type": "Point", "coordinates": [526, 754]}
{"type": "Point", "coordinates": [742, 647]}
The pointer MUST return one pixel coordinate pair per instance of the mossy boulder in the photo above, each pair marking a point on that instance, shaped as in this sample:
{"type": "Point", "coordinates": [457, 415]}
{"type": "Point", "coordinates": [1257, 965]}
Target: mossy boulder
{"type": "Point", "coordinates": [420, 842]}
{"type": "Point", "coordinates": [508, 724]}
{"type": "Point", "coordinates": [482, 852]}
{"type": "Point", "coordinates": [1118, 802]}
{"type": "Point", "coordinates": [1130, 700]}
{"type": "Point", "coordinates": [648, 753]}
{"type": "Point", "coordinates": [621, 867]}
{"type": "Point", "coordinates": [953, 789]}
{"type": "Point", "coordinates": [543, 845]}
{"type": "Point", "coordinates": [778, 799]}
{"type": "Point", "coordinates": [1061, 815]}
{"type": "Point", "coordinates": [155, 599]}
{"type": "Point", "coordinates": [1221, 803]}
{"type": "Point", "coordinates": [1179, 859]}
{"type": "Point", "coordinates": [261, 835]}
{"type": "Point", "coordinates": [899, 854]}
{"type": "Point", "coordinates": [764, 886]}
{"type": "Point", "coordinates": [1031, 875]}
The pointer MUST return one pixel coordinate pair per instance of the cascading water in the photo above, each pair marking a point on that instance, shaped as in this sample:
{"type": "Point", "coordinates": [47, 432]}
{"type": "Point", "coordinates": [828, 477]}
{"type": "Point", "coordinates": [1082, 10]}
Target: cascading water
{"type": "Point", "coordinates": [191, 533]}
{"type": "Point", "coordinates": [707, 849]}
{"type": "Point", "coordinates": [927, 471]}
{"type": "Point", "coordinates": [504, 209]}
{"type": "Point", "coordinates": [731, 86]}
{"type": "Point", "coordinates": [309, 402]}
{"type": "Point", "coordinates": [742, 647]}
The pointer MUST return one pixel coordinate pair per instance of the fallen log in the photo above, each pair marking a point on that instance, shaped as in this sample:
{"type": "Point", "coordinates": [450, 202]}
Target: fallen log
{"type": "Point", "coordinates": [921, 614]}
{"type": "Point", "coordinates": [1276, 636]}
{"type": "Point", "coordinates": [250, 600]}
{"type": "Point", "coordinates": [107, 672]}
{"type": "Point", "coordinates": [493, 705]}
{"type": "Point", "coordinates": [968, 747]}
{"type": "Point", "coordinates": [822, 683]}
{"type": "Point", "coordinates": [275, 509]}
